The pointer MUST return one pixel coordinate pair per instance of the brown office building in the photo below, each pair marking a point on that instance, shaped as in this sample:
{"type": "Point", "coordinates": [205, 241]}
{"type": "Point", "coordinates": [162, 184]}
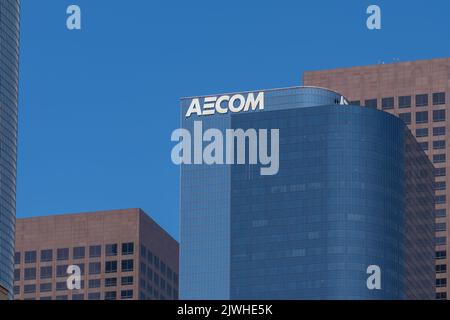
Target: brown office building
{"type": "Point", "coordinates": [121, 254]}
{"type": "Point", "coordinates": [418, 92]}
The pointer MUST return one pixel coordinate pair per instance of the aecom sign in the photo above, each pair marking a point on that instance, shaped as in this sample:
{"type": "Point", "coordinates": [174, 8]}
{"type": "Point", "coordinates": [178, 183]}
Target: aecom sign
{"type": "Point", "coordinates": [225, 104]}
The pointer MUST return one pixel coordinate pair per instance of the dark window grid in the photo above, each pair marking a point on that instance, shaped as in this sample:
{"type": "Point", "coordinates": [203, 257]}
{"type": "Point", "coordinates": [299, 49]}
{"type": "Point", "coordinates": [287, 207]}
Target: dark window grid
{"type": "Point", "coordinates": [404, 102]}
{"type": "Point", "coordinates": [422, 100]}
{"type": "Point", "coordinates": [438, 98]}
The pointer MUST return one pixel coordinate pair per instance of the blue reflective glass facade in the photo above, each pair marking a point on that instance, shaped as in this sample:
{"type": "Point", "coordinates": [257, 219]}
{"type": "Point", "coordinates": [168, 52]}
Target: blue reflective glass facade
{"type": "Point", "coordinates": [353, 190]}
{"type": "Point", "coordinates": [9, 77]}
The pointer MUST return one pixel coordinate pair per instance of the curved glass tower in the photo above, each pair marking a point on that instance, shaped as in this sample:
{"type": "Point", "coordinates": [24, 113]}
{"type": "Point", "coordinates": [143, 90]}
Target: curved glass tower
{"type": "Point", "coordinates": [9, 79]}
{"type": "Point", "coordinates": [353, 190]}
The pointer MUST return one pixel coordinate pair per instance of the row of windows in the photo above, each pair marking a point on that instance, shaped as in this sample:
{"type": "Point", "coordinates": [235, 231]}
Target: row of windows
{"type": "Point", "coordinates": [62, 285]}
{"type": "Point", "coordinates": [422, 100]}
{"type": "Point", "coordinates": [423, 132]}
{"type": "Point", "coordinates": [61, 271]}
{"type": "Point", "coordinates": [437, 145]}
{"type": "Point", "coordinates": [109, 295]}
{"type": "Point", "coordinates": [77, 253]}
{"type": "Point", "coordinates": [154, 260]}
{"type": "Point", "coordinates": [422, 117]}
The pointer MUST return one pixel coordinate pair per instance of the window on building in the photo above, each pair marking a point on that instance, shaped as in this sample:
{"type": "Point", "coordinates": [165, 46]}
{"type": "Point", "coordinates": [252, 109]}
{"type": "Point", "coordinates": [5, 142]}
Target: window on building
{"type": "Point", "coordinates": [110, 282]}
{"type": "Point", "coordinates": [61, 271]}
{"type": "Point", "coordinates": [127, 265]}
{"type": "Point", "coordinates": [441, 241]}
{"type": "Point", "coordinates": [156, 262]}
{"type": "Point", "coordinates": [439, 158]}
{"type": "Point", "coordinates": [143, 268]}
{"type": "Point", "coordinates": [16, 274]}
{"type": "Point", "coordinates": [111, 250]}
{"type": "Point", "coordinates": [111, 266]}
{"type": "Point", "coordinates": [29, 288]}
{"type": "Point", "coordinates": [79, 252]}
{"type": "Point", "coordinates": [387, 103]}
{"type": "Point", "coordinates": [61, 286]}
{"type": "Point", "coordinates": [405, 117]}
{"type": "Point", "coordinates": [438, 98]}
{"type": "Point", "coordinates": [110, 295]}
{"type": "Point", "coordinates": [169, 274]}
{"type": "Point", "coordinates": [439, 131]}
{"type": "Point", "coordinates": [422, 100]}
{"type": "Point", "coordinates": [126, 294]}
{"type": "Point", "coordinates": [150, 257]}
{"type": "Point", "coordinates": [441, 296]}
{"type": "Point", "coordinates": [30, 256]}
{"type": "Point", "coordinates": [63, 297]}
{"type": "Point", "coordinates": [440, 172]}
{"type": "Point", "coordinates": [440, 213]}
{"type": "Point", "coordinates": [127, 248]}
{"type": "Point", "coordinates": [46, 255]}
{"type": "Point", "coordinates": [81, 266]}
{"type": "Point", "coordinates": [94, 296]}
{"type": "Point", "coordinates": [441, 227]}
{"type": "Point", "coordinates": [79, 296]}
{"type": "Point", "coordinates": [440, 185]}
{"type": "Point", "coordinates": [421, 133]}
{"type": "Point", "coordinates": [355, 102]}
{"type": "Point", "coordinates": [95, 268]}
{"type": "Point", "coordinates": [439, 144]}
{"type": "Point", "coordinates": [441, 283]}
{"type": "Point", "coordinates": [422, 117]}
{"type": "Point", "coordinates": [404, 102]}
{"type": "Point", "coordinates": [94, 283]}
{"type": "Point", "coordinates": [16, 290]}
{"type": "Point", "coordinates": [45, 287]}
{"type": "Point", "coordinates": [371, 103]}
{"type": "Point", "coordinates": [30, 274]}
{"type": "Point", "coordinates": [17, 257]}
{"type": "Point", "coordinates": [127, 281]}
{"type": "Point", "coordinates": [95, 251]}
{"type": "Point", "coordinates": [441, 199]}
{"type": "Point", "coordinates": [46, 272]}
{"type": "Point", "coordinates": [143, 251]}
{"type": "Point", "coordinates": [438, 115]}
{"type": "Point", "coordinates": [62, 254]}
{"type": "Point", "coordinates": [156, 279]}
{"type": "Point", "coordinates": [150, 274]}
{"type": "Point", "coordinates": [441, 254]}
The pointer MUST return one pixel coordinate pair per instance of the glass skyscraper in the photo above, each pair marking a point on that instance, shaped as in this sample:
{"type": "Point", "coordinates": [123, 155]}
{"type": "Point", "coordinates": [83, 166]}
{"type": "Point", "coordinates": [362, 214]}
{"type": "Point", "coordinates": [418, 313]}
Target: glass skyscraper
{"type": "Point", "coordinates": [354, 190]}
{"type": "Point", "coordinates": [9, 78]}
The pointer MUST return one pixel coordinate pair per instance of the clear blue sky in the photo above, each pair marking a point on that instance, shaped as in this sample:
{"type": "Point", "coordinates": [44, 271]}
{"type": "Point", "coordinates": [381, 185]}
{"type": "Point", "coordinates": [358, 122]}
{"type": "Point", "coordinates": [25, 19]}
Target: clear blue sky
{"type": "Point", "coordinates": [97, 106]}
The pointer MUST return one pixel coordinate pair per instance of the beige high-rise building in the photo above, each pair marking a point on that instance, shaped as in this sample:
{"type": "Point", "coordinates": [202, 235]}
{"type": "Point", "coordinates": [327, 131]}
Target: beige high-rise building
{"type": "Point", "coordinates": [417, 92]}
{"type": "Point", "coordinates": [122, 254]}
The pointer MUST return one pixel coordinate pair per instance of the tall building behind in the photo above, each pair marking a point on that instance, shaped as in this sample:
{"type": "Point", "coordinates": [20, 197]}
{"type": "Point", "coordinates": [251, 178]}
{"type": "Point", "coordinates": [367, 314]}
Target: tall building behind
{"type": "Point", "coordinates": [121, 254]}
{"type": "Point", "coordinates": [417, 92]}
{"type": "Point", "coordinates": [9, 78]}
{"type": "Point", "coordinates": [354, 189]}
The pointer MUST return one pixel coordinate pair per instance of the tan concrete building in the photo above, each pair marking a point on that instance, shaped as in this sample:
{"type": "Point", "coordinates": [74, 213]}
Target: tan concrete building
{"type": "Point", "coordinates": [121, 254]}
{"type": "Point", "coordinates": [418, 92]}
